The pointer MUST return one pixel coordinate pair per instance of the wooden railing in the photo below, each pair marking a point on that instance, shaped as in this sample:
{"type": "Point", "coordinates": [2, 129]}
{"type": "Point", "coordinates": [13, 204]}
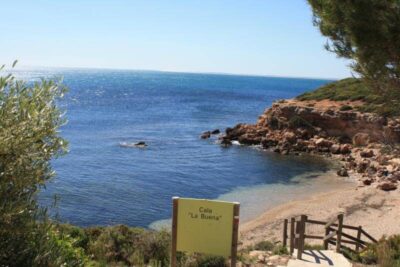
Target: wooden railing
{"type": "Point", "coordinates": [334, 234]}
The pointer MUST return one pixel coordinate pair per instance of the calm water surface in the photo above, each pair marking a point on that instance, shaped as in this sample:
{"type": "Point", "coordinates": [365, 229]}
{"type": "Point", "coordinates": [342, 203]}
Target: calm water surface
{"type": "Point", "coordinates": [101, 183]}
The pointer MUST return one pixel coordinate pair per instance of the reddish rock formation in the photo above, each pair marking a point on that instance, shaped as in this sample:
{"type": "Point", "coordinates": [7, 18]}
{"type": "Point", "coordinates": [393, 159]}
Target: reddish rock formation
{"type": "Point", "coordinates": [292, 126]}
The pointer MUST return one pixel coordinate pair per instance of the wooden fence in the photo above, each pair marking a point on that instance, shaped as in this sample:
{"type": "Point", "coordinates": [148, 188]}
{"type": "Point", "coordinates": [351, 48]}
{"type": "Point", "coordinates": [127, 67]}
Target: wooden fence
{"type": "Point", "coordinates": [334, 234]}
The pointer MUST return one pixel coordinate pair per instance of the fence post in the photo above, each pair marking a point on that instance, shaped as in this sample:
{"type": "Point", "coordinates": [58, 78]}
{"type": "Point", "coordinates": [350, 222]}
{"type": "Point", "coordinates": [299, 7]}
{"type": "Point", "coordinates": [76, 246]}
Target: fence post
{"type": "Point", "coordinates": [326, 242]}
{"type": "Point", "coordinates": [235, 234]}
{"type": "Point", "coordinates": [175, 202]}
{"type": "Point", "coordinates": [300, 246]}
{"type": "Point", "coordinates": [292, 237]}
{"type": "Point", "coordinates": [339, 232]}
{"type": "Point", "coordinates": [359, 232]}
{"type": "Point", "coordinates": [285, 223]}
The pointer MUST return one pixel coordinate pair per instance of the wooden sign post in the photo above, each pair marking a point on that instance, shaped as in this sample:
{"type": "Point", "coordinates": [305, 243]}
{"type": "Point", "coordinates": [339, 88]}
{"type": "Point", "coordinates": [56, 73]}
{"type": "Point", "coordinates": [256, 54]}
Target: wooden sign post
{"type": "Point", "coordinates": [205, 226]}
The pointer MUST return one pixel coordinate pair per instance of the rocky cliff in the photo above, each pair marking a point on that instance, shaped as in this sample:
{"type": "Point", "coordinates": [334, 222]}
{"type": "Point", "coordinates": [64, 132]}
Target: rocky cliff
{"type": "Point", "coordinates": [366, 143]}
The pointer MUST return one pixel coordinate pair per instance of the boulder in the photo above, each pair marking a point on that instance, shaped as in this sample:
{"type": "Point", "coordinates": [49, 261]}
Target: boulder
{"type": "Point", "coordinates": [335, 149]}
{"type": "Point", "coordinates": [345, 149]}
{"type": "Point", "coordinates": [141, 144]}
{"type": "Point", "coordinates": [342, 172]}
{"type": "Point", "coordinates": [249, 139]}
{"type": "Point", "coordinates": [290, 137]}
{"type": "Point", "coordinates": [205, 135]}
{"type": "Point", "coordinates": [322, 142]}
{"type": "Point", "coordinates": [367, 153]}
{"type": "Point", "coordinates": [268, 142]}
{"type": "Point", "coordinates": [367, 181]}
{"type": "Point", "coordinates": [226, 142]}
{"type": "Point", "coordinates": [361, 139]}
{"type": "Point", "coordinates": [216, 131]}
{"type": "Point", "coordinates": [387, 186]}
{"type": "Point", "coordinates": [362, 166]}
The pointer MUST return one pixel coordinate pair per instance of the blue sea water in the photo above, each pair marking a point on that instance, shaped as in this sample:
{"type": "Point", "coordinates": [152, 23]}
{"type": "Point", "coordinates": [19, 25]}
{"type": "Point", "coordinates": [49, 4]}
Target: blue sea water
{"type": "Point", "coordinates": [102, 183]}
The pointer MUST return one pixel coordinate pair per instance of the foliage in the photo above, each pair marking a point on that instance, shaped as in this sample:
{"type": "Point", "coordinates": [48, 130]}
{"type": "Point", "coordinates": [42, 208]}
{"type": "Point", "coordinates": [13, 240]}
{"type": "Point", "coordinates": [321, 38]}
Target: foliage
{"type": "Point", "coordinates": [264, 245]}
{"type": "Point", "coordinates": [29, 138]}
{"type": "Point", "coordinates": [126, 246]}
{"type": "Point", "coordinates": [280, 250]}
{"type": "Point", "coordinates": [386, 253]}
{"type": "Point", "coordinates": [347, 89]}
{"type": "Point", "coordinates": [366, 32]}
{"type": "Point", "coordinates": [352, 89]}
{"type": "Point", "coordinates": [346, 108]}
{"type": "Point", "coordinates": [207, 261]}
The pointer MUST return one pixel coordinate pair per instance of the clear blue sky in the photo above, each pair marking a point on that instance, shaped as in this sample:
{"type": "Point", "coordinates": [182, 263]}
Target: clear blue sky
{"type": "Point", "coordinates": [262, 37]}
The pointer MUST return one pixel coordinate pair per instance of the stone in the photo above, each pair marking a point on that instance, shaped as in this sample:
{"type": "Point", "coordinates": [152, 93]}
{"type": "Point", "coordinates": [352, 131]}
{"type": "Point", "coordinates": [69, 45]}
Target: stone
{"type": "Point", "coordinates": [285, 152]}
{"type": "Point", "coordinates": [290, 137]}
{"type": "Point", "coordinates": [141, 144]}
{"type": "Point", "coordinates": [345, 149]}
{"type": "Point", "coordinates": [387, 186]}
{"type": "Point", "coordinates": [367, 181]}
{"type": "Point", "coordinates": [205, 135]}
{"type": "Point", "coordinates": [277, 150]}
{"type": "Point", "coordinates": [342, 172]}
{"type": "Point", "coordinates": [362, 166]}
{"type": "Point", "coordinates": [335, 149]}
{"type": "Point", "coordinates": [367, 153]}
{"type": "Point", "coordinates": [226, 142]}
{"type": "Point", "coordinates": [216, 131]}
{"type": "Point", "coordinates": [249, 139]}
{"type": "Point", "coordinates": [255, 253]}
{"type": "Point", "coordinates": [274, 258]}
{"type": "Point", "coordinates": [322, 142]}
{"type": "Point", "coordinates": [361, 139]}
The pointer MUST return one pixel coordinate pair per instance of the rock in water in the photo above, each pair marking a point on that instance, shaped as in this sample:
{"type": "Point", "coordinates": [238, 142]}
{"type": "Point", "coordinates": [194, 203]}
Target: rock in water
{"type": "Point", "coordinates": [140, 144]}
{"type": "Point", "coordinates": [205, 135]}
{"type": "Point", "coordinates": [226, 142]}
{"type": "Point", "coordinates": [216, 131]}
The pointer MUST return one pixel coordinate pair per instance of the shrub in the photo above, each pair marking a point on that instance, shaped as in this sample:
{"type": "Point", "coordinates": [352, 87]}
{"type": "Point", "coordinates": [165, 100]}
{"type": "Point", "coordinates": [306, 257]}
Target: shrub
{"type": "Point", "coordinates": [386, 253]}
{"type": "Point", "coordinates": [264, 245]}
{"type": "Point", "coordinates": [346, 108]}
{"type": "Point", "coordinates": [210, 261]}
{"type": "Point", "coordinates": [280, 250]}
{"type": "Point", "coordinates": [29, 139]}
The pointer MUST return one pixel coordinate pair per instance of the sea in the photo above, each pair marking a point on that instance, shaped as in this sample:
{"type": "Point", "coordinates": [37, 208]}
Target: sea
{"type": "Point", "coordinates": [100, 182]}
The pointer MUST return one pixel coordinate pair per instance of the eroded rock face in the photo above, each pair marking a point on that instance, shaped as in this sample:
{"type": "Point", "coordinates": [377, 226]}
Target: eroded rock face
{"type": "Point", "coordinates": [291, 127]}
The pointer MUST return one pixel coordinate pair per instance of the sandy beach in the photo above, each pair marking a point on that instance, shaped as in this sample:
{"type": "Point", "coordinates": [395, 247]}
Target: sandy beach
{"type": "Point", "coordinates": [378, 212]}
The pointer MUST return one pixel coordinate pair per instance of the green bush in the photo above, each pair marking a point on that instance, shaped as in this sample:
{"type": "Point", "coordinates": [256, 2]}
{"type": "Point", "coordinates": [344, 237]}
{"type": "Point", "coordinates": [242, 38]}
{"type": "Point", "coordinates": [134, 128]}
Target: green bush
{"type": "Point", "coordinates": [280, 250]}
{"type": "Point", "coordinates": [29, 139]}
{"type": "Point", "coordinates": [129, 246]}
{"type": "Point", "coordinates": [352, 89]}
{"type": "Point", "coordinates": [264, 245]}
{"type": "Point", "coordinates": [346, 108]}
{"type": "Point", "coordinates": [385, 253]}
{"type": "Point", "coordinates": [210, 261]}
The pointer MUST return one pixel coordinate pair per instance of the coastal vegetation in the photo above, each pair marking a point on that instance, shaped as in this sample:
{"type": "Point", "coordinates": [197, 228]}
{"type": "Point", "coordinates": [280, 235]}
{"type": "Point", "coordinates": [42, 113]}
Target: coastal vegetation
{"type": "Point", "coordinates": [360, 93]}
{"type": "Point", "coordinates": [366, 33]}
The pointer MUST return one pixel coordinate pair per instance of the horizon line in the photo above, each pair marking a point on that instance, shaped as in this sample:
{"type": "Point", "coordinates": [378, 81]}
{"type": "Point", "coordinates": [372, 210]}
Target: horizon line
{"type": "Point", "coordinates": [21, 67]}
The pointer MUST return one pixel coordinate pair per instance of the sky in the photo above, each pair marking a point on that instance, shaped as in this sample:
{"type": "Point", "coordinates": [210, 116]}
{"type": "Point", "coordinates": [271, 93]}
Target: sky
{"type": "Point", "coordinates": [257, 37]}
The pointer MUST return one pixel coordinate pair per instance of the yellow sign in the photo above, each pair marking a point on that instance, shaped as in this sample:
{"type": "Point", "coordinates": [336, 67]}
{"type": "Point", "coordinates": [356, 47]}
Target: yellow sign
{"type": "Point", "coordinates": [205, 226]}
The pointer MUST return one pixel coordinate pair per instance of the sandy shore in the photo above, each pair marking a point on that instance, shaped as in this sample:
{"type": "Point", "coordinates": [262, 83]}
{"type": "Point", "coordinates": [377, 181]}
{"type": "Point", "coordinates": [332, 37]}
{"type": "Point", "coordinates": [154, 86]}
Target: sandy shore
{"type": "Point", "coordinates": [378, 212]}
